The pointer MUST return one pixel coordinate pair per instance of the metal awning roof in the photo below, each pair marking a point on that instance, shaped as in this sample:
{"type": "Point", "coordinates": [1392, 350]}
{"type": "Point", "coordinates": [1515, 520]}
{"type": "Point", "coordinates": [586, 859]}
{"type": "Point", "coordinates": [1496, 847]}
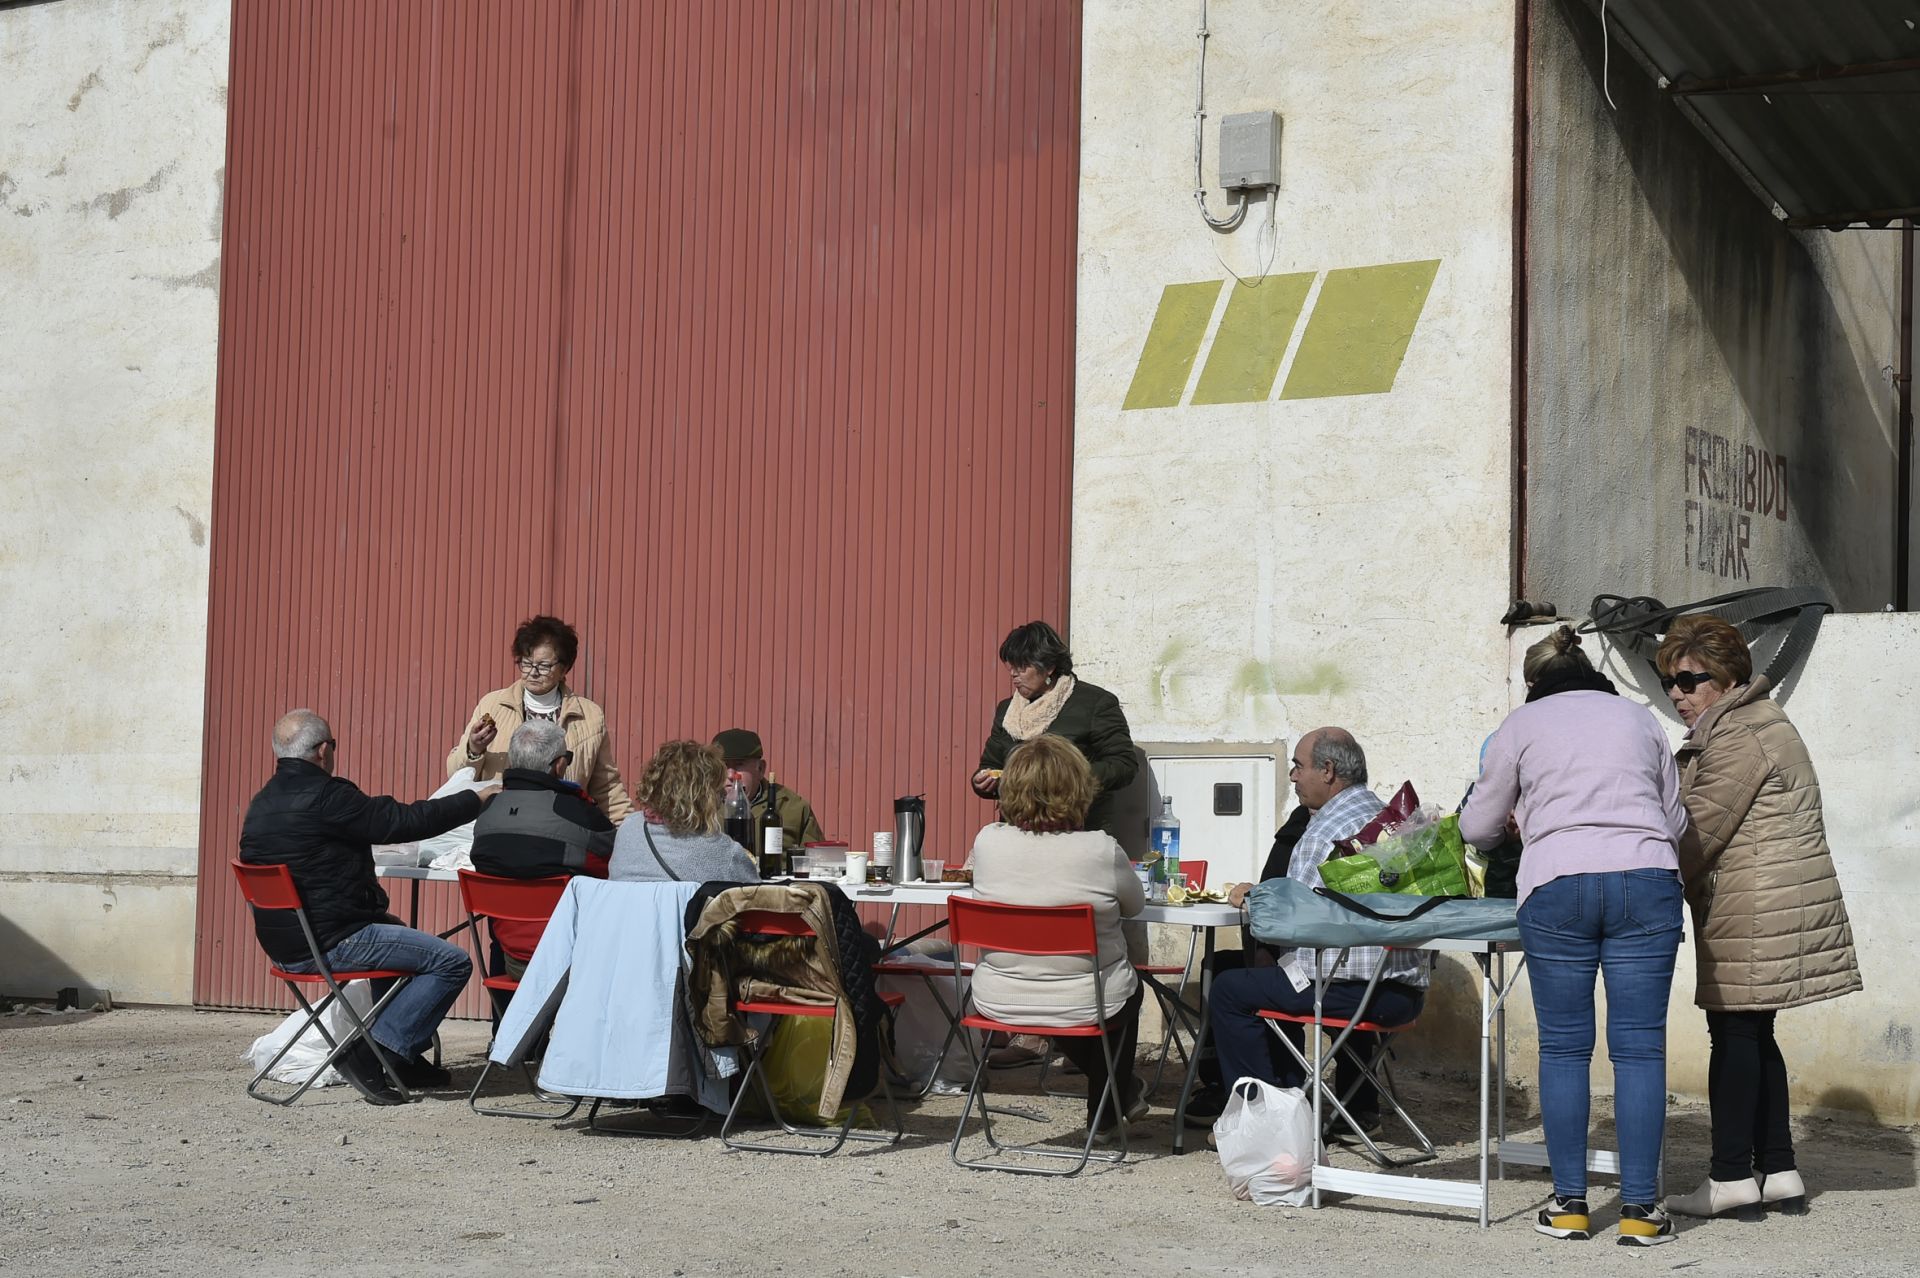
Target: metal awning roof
{"type": "Point", "coordinates": [1815, 102]}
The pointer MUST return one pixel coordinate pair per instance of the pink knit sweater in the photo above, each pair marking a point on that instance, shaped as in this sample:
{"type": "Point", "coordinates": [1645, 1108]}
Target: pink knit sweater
{"type": "Point", "coordinates": [1592, 781]}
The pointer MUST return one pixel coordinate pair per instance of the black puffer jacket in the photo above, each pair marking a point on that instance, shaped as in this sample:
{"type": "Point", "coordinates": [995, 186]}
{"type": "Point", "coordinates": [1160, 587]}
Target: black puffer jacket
{"type": "Point", "coordinates": [324, 829]}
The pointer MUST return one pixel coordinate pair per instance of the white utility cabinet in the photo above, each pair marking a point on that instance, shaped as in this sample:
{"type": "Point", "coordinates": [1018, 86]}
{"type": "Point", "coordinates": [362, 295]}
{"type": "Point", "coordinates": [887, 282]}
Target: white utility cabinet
{"type": "Point", "coordinates": [1228, 805]}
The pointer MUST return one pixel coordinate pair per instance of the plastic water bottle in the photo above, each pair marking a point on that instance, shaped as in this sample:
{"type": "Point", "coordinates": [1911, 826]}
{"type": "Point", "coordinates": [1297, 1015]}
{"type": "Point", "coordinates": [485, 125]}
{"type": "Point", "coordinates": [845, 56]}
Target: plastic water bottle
{"type": "Point", "coordinates": [1163, 835]}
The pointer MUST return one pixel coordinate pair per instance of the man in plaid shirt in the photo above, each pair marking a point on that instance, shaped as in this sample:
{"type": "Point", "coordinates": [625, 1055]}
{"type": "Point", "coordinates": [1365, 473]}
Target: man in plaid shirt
{"type": "Point", "coordinates": [1329, 773]}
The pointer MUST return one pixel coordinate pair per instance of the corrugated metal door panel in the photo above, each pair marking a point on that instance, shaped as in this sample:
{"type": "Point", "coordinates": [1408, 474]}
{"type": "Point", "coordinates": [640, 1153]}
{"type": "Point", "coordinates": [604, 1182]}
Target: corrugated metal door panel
{"type": "Point", "coordinates": [739, 335]}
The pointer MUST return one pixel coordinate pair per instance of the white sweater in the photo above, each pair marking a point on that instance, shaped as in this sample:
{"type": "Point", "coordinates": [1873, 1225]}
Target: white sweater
{"type": "Point", "coordinates": [1075, 868]}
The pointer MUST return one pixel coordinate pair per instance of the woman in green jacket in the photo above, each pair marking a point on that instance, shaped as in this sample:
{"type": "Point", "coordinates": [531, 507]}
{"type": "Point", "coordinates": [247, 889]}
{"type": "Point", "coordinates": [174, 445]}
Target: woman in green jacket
{"type": "Point", "coordinates": [1048, 699]}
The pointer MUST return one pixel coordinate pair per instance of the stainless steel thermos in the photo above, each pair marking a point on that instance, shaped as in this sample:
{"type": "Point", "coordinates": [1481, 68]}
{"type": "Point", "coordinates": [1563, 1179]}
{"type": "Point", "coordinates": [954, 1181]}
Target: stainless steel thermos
{"type": "Point", "coordinates": [909, 837]}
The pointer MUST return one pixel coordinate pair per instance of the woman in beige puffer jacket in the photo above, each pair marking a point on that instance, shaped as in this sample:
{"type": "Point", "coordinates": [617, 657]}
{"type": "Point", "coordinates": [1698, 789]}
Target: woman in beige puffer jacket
{"type": "Point", "coordinates": [1770, 928]}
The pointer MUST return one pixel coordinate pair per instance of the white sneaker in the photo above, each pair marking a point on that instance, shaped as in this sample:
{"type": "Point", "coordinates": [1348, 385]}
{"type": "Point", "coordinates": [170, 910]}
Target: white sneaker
{"type": "Point", "coordinates": [1737, 1198]}
{"type": "Point", "coordinates": [1784, 1191]}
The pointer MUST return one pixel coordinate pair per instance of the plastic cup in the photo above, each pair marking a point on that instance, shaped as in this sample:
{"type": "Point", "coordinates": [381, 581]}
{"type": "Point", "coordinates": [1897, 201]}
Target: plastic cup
{"type": "Point", "coordinates": [856, 867]}
{"type": "Point", "coordinates": [930, 871]}
{"type": "Point", "coordinates": [802, 866]}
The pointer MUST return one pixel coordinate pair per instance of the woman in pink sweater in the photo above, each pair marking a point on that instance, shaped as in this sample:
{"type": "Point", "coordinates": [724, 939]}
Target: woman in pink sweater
{"type": "Point", "coordinates": [1590, 779]}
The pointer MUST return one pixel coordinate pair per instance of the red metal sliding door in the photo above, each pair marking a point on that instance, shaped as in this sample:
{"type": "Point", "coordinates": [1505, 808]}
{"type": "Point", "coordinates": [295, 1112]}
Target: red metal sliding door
{"type": "Point", "coordinates": [739, 334]}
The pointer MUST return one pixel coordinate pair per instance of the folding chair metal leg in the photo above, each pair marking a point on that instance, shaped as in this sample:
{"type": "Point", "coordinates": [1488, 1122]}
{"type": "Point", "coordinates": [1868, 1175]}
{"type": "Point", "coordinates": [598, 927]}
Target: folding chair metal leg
{"type": "Point", "coordinates": [361, 1030]}
{"type": "Point", "coordinates": [755, 1074]}
{"type": "Point", "coordinates": [1376, 1072]}
{"type": "Point", "coordinates": [1080, 1158]}
{"type": "Point", "coordinates": [672, 1127]}
{"type": "Point", "coordinates": [1173, 1006]}
{"type": "Point", "coordinates": [549, 1099]}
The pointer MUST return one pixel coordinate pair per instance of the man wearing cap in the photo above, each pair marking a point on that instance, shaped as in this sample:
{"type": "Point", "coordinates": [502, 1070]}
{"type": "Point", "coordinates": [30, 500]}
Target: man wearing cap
{"type": "Point", "coordinates": [747, 762]}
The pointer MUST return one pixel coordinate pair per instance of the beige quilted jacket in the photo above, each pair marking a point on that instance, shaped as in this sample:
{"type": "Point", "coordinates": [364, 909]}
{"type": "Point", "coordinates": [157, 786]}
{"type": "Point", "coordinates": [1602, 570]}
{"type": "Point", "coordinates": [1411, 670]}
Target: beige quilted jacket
{"type": "Point", "coordinates": [1770, 929]}
{"type": "Point", "coordinates": [585, 724]}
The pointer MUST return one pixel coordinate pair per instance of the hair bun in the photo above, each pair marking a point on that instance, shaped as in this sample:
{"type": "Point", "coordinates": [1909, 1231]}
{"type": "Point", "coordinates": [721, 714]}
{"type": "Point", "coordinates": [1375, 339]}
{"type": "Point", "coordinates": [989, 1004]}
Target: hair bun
{"type": "Point", "coordinates": [1564, 640]}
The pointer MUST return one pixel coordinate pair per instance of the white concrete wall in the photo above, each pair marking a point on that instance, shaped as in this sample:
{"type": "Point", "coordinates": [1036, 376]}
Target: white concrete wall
{"type": "Point", "coordinates": [1675, 327]}
{"type": "Point", "coordinates": [1247, 571]}
{"type": "Point", "coordinates": [1856, 702]}
{"type": "Point", "coordinates": [112, 147]}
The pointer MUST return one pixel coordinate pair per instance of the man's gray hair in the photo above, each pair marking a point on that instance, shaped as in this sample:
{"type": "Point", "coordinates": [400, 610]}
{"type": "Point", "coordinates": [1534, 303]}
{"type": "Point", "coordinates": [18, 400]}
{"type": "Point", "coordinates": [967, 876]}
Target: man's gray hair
{"type": "Point", "coordinates": [298, 734]}
{"type": "Point", "coordinates": [1336, 746]}
{"type": "Point", "coordinates": [536, 744]}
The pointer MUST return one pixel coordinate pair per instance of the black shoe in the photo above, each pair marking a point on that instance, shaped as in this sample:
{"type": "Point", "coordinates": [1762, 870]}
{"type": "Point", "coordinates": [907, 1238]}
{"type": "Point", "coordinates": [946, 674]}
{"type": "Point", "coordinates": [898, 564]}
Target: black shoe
{"type": "Point", "coordinates": [362, 1068]}
{"type": "Point", "coordinates": [1205, 1105]}
{"type": "Point", "coordinates": [1337, 1131]}
{"type": "Point", "coordinates": [418, 1073]}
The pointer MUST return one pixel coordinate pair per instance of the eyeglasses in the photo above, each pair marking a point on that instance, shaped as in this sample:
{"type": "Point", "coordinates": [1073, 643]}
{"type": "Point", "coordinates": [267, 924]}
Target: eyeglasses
{"type": "Point", "coordinates": [329, 743]}
{"type": "Point", "coordinates": [1686, 681]}
{"type": "Point", "coordinates": [537, 668]}
{"type": "Point", "coordinates": [564, 759]}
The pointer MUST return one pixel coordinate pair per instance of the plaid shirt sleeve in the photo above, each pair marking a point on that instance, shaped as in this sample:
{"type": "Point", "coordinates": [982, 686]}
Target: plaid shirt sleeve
{"type": "Point", "coordinates": [1344, 816]}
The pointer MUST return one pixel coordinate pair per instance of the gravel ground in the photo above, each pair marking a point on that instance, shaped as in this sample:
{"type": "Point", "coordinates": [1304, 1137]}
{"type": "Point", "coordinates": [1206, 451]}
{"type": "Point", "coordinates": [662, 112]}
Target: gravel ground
{"type": "Point", "coordinates": [130, 1148]}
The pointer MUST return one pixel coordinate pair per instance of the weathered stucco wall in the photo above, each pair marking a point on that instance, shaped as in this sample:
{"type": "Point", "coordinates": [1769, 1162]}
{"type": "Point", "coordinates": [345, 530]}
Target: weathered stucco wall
{"type": "Point", "coordinates": [1710, 400]}
{"type": "Point", "coordinates": [112, 141]}
{"type": "Point", "coordinates": [1291, 500]}
{"type": "Point", "coordinates": [1855, 704]}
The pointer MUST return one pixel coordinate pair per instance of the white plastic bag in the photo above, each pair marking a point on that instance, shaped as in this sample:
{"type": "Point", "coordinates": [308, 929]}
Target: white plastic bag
{"type": "Point", "coordinates": [1265, 1138]}
{"type": "Point", "coordinates": [305, 1056]}
{"type": "Point", "coordinates": [454, 849]}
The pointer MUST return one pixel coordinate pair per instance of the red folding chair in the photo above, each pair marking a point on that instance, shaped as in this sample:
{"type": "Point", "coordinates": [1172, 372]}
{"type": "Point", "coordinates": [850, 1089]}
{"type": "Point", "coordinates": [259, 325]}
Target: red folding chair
{"type": "Point", "coordinates": [271, 887]}
{"type": "Point", "coordinates": [490, 897]}
{"type": "Point", "coordinates": [1373, 1067]}
{"type": "Point", "coordinates": [778, 923]}
{"type": "Point", "coordinates": [1053, 931]}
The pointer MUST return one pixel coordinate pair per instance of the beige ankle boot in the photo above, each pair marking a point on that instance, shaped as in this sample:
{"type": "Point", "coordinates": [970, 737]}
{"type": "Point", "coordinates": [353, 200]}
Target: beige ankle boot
{"type": "Point", "coordinates": [1737, 1198]}
{"type": "Point", "coordinates": [1784, 1191]}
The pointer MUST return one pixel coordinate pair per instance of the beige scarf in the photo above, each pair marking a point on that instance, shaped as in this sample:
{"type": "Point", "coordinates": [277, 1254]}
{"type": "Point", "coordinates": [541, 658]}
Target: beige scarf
{"type": "Point", "coordinates": [1026, 720]}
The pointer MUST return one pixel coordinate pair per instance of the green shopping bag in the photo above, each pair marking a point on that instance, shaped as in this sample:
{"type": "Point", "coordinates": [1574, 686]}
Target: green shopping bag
{"type": "Point", "coordinates": [1428, 861]}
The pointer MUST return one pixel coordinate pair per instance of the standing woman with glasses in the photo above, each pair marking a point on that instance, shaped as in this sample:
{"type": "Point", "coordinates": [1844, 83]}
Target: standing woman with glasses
{"type": "Point", "coordinates": [1770, 931]}
{"type": "Point", "coordinates": [1589, 778]}
{"type": "Point", "coordinates": [544, 650]}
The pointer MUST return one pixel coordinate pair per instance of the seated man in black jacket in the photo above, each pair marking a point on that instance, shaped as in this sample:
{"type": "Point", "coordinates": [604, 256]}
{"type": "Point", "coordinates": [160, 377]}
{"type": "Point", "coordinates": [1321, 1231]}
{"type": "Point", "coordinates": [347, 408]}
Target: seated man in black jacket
{"type": "Point", "coordinates": [543, 826]}
{"type": "Point", "coordinates": [323, 828]}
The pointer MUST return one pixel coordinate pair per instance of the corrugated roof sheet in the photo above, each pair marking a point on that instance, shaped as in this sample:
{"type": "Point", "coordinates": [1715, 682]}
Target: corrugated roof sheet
{"type": "Point", "coordinates": [1814, 100]}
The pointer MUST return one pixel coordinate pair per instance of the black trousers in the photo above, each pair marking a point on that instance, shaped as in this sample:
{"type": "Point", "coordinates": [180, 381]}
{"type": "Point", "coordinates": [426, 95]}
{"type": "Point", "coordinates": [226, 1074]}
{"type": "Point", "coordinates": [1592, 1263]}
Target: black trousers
{"type": "Point", "coordinates": [1747, 1095]}
{"type": "Point", "coordinates": [1123, 1033]}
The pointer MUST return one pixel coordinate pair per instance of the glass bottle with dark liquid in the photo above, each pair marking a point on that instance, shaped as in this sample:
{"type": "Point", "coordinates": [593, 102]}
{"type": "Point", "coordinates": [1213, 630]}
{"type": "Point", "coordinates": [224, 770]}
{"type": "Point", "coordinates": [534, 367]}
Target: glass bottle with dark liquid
{"type": "Point", "coordinates": [737, 819]}
{"type": "Point", "coordinates": [772, 845]}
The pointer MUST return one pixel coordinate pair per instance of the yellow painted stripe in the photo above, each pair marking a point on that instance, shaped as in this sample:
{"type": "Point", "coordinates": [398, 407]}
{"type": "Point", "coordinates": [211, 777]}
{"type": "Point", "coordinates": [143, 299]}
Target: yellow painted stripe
{"type": "Point", "coordinates": [1172, 343]}
{"type": "Point", "coordinates": [1359, 330]}
{"type": "Point", "coordinates": [1252, 339]}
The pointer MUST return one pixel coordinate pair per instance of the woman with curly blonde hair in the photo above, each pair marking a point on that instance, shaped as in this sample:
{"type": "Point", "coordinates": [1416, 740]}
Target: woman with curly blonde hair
{"type": "Point", "coordinates": [1037, 854]}
{"type": "Point", "coordinates": [678, 836]}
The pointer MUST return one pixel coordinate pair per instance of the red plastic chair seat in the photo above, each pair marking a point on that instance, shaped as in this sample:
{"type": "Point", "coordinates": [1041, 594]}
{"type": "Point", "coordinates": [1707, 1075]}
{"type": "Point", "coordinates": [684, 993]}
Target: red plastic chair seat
{"type": "Point", "coordinates": [976, 1021]}
{"type": "Point", "coordinates": [1334, 1022]}
{"type": "Point", "coordinates": [777, 1007]}
{"type": "Point", "coordinates": [339, 974]}
{"type": "Point", "coordinates": [1160, 969]}
{"type": "Point", "coordinates": [505, 984]}
{"type": "Point", "coordinates": [918, 969]}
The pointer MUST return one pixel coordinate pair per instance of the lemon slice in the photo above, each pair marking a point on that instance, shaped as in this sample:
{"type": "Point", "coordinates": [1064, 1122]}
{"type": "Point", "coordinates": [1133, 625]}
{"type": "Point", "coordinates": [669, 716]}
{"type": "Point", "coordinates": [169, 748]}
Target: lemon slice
{"type": "Point", "coordinates": [1176, 894]}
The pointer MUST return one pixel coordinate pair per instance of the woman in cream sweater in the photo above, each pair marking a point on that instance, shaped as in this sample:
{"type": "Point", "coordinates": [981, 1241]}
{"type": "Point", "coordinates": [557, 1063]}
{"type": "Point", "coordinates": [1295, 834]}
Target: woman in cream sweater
{"type": "Point", "coordinates": [1037, 854]}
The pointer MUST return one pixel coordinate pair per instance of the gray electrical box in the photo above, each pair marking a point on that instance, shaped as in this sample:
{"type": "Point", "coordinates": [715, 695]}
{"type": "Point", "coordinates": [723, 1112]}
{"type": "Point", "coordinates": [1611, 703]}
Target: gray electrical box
{"type": "Point", "coordinates": [1250, 150]}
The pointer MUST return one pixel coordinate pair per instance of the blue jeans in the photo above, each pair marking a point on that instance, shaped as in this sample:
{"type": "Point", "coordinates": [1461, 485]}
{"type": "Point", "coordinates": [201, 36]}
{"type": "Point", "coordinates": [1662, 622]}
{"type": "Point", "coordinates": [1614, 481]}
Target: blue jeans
{"type": "Point", "coordinates": [1626, 924]}
{"type": "Point", "coordinates": [440, 969]}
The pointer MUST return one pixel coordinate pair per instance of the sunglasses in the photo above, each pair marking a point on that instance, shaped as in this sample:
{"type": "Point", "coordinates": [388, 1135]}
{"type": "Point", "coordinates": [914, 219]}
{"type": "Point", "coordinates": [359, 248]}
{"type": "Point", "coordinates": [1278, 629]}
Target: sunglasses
{"type": "Point", "coordinates": [1686, 681]}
